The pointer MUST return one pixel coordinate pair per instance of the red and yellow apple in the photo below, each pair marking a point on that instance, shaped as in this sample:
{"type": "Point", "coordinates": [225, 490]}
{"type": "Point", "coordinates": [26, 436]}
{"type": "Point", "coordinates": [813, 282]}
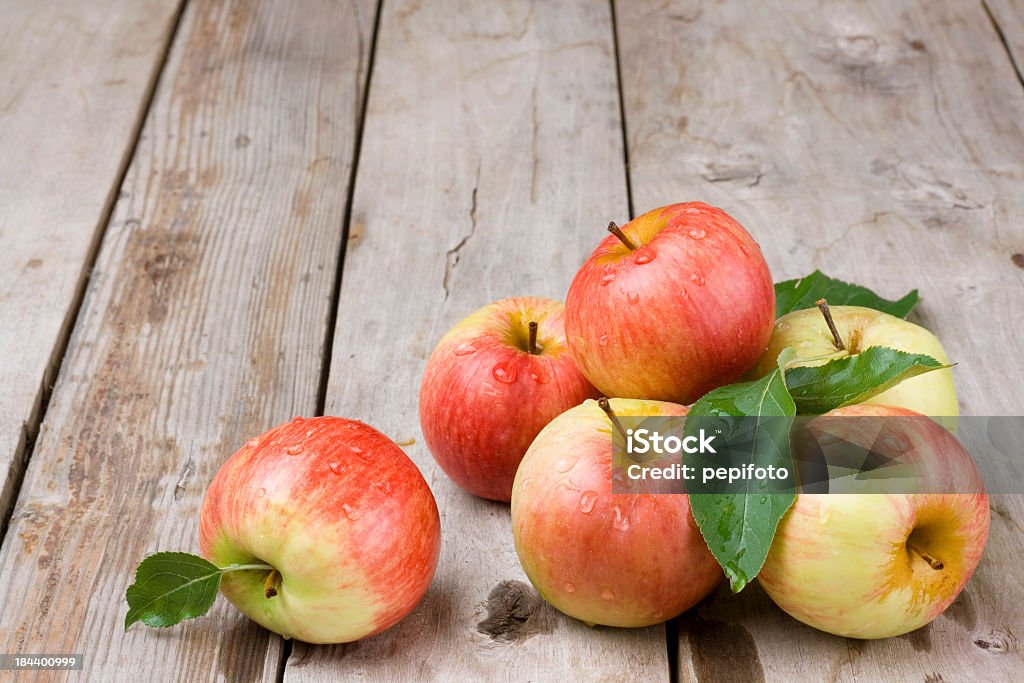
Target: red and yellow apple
{"type": "Point", "coordinates": [343, 517]}
{"type": "Point", "coordinates": [874, 565]}
{"type": "Point", "coordinates": [806, 332]}
{"type": "Point", "coordinates": [678, 305]}
{"type": "Point", "coordinates": [613, 559]}
{"type": "Point", "coordinates": [489, 388]}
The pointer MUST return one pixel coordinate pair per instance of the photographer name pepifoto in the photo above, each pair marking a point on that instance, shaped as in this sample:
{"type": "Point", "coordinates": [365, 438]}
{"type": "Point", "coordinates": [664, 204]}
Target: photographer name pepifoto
{"type": "Point", "coordinates": [680, 472]}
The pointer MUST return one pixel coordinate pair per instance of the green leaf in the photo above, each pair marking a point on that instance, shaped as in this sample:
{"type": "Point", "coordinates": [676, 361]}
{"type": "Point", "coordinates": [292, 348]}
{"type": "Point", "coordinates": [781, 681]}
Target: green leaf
{"type": "Point", "coordinates": [738, 520]}
{"type": "Point", "coordinates": [170, 587]}
{"type": "Point", "coordinates": [792, 295]}
{"type": "Point", "coordinates": [854, 379]}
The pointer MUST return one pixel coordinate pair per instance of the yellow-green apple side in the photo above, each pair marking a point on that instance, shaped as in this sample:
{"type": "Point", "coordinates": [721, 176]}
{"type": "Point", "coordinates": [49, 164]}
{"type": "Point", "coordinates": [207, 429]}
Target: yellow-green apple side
{"type": "Point", "coordinates": [806, 332]}
{"type": "Point", "coordinates": [874, 565]}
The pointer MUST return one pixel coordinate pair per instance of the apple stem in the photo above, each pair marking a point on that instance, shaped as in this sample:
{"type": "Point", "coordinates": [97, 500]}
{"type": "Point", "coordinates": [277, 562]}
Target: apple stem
{"type": "Point", "coordinates": [271, 584]}
{"type": "Point", "coordinates": [836, 339]}
{"type": "Point", "coordinates": [615, 230]}
{"type": "Point", "coordinates": [607, 408]}
{"type": "Point", "coordinates": [533, 338]}
{"type": "Point", "coordinates": [932, 562]}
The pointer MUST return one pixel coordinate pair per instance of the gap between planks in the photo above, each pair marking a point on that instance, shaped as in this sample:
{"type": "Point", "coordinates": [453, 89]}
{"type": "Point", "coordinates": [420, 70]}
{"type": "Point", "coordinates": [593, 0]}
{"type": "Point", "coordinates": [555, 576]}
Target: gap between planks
{"type": "Point", "coordinates": [30, 429]}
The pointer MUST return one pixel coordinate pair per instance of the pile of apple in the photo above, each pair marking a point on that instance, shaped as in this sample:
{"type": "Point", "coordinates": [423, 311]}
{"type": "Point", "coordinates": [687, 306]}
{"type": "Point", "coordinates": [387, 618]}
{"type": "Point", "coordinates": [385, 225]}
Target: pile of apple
{"type": "Point", "coordinates": [325, 531]}
{"type": "Point", "coordinates": [671, 306]}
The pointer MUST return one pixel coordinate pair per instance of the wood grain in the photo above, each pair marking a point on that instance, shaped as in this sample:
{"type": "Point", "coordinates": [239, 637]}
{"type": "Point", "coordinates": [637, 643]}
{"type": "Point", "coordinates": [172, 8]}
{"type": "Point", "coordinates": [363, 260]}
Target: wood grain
{"type": "Point", "coordinates": [1008, 16]}
{"type": "Point", "coordinates": [491, 163]}
{"type": "Point", "coordinates": [75, 81]}
{"type": "Point", "coordinates": [205, 323]}
{"type": "Point", "coordinates": [883, 143]}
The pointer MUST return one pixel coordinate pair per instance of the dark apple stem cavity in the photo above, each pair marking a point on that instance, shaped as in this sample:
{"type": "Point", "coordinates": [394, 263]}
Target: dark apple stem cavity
{"type": "Point", "coordinates": [607, 408]}
{"type": "Point", "coordinates": [533, 349]}
{"type": "Point", "coordinates": [931, 561]}
{"type": "Point", "coordinates": [617, 231]}
{"type": "Point", "coordinates": [271, 584]}
{"type": "Point", "coordinates": [827, 314]}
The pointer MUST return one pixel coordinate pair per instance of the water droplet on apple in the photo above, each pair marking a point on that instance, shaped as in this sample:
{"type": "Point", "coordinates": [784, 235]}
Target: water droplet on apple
{"type": "Point", "coordinates": [356, 450]}
{"type": "Point", "coordinates": [632, 297]}
{"type": "Point", "coordinates": [608, 594]}
{"type": "Point", "coordinates": [505, 372]}
{"type": "Point", "coordinates": [697, 279]}
{"type": "Point", "coordinates": [261, 493]}
{"type": "Point", "coordinates": [683, 294]}
{"type": "Point", "coordinates": [384, 486]}
{"type": "Point", "coordinates": [587, 500]}
{"type": "Point", "coordinates": [698, 234]}
{"type": "Point", "coordinates": [540, 374]}
{"type": "Point", "coordinates": [824, 514]}
{"type": "Point", "coordinates": [336, 467]}
{"type": "Point", "coordinates": [805, 343]}
{"type": "Point", "coordinates": [646, 256]}
{"type": "Point", "coordinates": [252, 443]}
{"type": "Point", "coordinates": [351, 512]}
{"type": "Point", "coordinates": [691, 209]}
{"type": "Point", "coordinates": [603, 341]}
{"type": "Point", "coordinates": [464, 349]}
{"type": "Point", "coordinates": [607, 279]}
{"type": "Point", "coordinates": [565, 464]}
{"type": "Point", "coordinates": [569, 587]}
{"type": "Point", "coordinates": [621, 520]}
{"type": "Point", "coordinates": [746, 249]}
{"type": "Point", "coordinates": [781, 326]}
{"type": "Point", "coordinates": [298, 420]}
{"type": "Point", "coordinates": [659, 615]}
{"type": "Point", "coordinates": [295, 450]}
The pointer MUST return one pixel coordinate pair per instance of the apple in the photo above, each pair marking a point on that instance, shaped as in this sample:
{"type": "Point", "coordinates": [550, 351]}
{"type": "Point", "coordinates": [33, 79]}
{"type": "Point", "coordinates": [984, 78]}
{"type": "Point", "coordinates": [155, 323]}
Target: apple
{"type": "Point", "coordinates": [807, 332]}
{"type": "Point", "coordinates": [625, 559]}
{"type": "Point", "coordinates": [342, 516]}
{"type": "Point", "coordinates": [491, 385]}
{"type": "Point", "coordinates": [677, 302]}
{"type": "Point", "coordinates": [874, 565]}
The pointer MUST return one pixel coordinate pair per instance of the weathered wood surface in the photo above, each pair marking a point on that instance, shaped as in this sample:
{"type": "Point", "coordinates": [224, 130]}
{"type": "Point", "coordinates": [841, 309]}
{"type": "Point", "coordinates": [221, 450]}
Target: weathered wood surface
{"type": "Point", "coordinates": [1008, 17]}
{"type": "Point", "coordinates": [74, 82]}
{"type": "Point", "coordinates": [491, 162]}
{"type": "Point", "coordinates": [205, 322]}
{"type": "Point", "coordinates": [883, 143]}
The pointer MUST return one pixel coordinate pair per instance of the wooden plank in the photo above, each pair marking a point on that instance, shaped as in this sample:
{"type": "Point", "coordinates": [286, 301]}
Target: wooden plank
{"type": "Point", "coordinates": [881, 142]}
{"type": "Point", "coordinates": [491, 163]}
{"type": "Point", "coordinates": [76, 78]}
{"type": "Point", "coordinates": [1008, 16]}
{"type": "Point", "coordinates": [205, 323]}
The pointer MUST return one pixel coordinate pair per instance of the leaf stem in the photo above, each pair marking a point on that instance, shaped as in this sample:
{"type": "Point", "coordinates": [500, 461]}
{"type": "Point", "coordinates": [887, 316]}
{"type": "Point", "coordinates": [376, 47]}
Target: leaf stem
{"type": "Point", "coordinates": [259, 566]}
{"type": "Point", "coordinates": [533, 339]}
{"type": "Point", "coordinates": [836, 339]}
{"type": "Point", "coordinates": [615, 230]}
